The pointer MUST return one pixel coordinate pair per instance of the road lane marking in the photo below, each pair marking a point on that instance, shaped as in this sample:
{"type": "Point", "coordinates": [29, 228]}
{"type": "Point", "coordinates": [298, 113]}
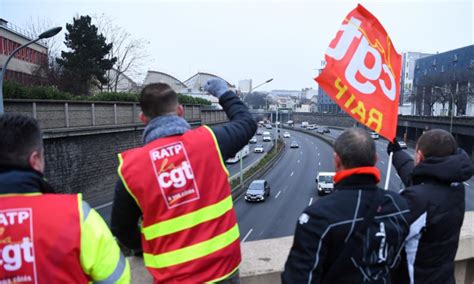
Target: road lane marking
{"type": "Point", "coordinates": [301, 153]}
{"type": "Point", "coordinates": [246, 236]}
{"type": "Point", "coordinates": [292, 174]}
{"type": "Point", "coordinates": [319, 163]}
{"type": "Point", "coordinates": [383, 163]}
{"type": "Point", "coordinates": [298, 161]}
{"type": "Point", "coordinates": [467, 184]}
{"type": "Point", "coordinates": [318, 154]}
{"type": "Point", "coordinates": [278, 194]}
{"type": "Point", "coordinates": [310, 201]}
{"type": "Point", "coordinates": [103, 205]}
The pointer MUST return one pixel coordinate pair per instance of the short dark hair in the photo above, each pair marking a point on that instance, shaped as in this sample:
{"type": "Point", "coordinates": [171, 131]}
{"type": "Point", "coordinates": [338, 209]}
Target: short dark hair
{"type": "Point", "coordinates": [356, 148]}
{"type": "Point", "coordinates": [20, 136]}
{"type": "Point", "coordinates": [158, 99]}
{"type": "Point", "coordinates": [436, 143]}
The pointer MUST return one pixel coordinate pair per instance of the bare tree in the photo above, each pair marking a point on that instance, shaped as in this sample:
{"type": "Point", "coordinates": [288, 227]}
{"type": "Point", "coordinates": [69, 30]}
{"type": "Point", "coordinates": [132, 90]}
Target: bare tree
{"type": "Point", "coordinates": [47, 71]}
{"type": "Point", "coordinates": [130, 51]}
{"type": "Point", "coordinates": [34, 27]}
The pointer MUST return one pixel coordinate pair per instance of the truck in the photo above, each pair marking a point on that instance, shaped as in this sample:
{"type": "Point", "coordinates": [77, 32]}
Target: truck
{"type": "Point", "coordinates": [304, 124]}
{"type": "Point", "coordinates": [244, 152]}
{"type": "Point", "coordinates": [325, 181]}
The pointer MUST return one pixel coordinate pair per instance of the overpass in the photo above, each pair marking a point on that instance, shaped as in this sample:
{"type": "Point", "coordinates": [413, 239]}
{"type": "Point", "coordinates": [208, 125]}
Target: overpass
{"type": "Point", "coordinates": [409, 127]}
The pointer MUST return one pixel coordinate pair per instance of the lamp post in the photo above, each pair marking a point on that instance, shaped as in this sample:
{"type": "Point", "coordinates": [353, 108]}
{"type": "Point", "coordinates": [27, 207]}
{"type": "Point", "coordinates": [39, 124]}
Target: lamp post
{"type": "Point", "coordinates": [241, 174]}
{"type": "Point", "coordinates": [452, 105]}
{"type": "Point", "coordinates": [47, 34]}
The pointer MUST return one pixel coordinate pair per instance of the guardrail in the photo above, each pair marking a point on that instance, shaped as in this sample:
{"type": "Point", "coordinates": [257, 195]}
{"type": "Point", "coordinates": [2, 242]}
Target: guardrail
{"type": "Point", "coordinates": [238, 190]}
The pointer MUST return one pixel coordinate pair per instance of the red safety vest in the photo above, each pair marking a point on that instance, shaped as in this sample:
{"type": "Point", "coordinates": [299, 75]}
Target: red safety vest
{"type": "Point", "coordinates": [189, 230]}
{"type": "Point", "coordinates": [40, 239]}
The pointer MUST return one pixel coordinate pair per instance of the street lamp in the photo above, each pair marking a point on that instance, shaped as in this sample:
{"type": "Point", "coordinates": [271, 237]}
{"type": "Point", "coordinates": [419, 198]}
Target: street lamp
{"type": "Point", "coordinates": [47, 34]}
{"type": "Point", "coordinates": [241, 175]}
{"type": "Point", "coordinates": [452, 104]}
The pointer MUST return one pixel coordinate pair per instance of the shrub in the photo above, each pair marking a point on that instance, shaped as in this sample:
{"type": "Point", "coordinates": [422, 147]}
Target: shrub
{"type": "Point", "coordinates": [13, 90]}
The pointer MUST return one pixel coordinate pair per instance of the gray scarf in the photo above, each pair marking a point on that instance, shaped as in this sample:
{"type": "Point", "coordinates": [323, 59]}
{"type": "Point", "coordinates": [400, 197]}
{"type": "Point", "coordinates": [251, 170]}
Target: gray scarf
{"type": "Point", "coordinates": [164, 126]}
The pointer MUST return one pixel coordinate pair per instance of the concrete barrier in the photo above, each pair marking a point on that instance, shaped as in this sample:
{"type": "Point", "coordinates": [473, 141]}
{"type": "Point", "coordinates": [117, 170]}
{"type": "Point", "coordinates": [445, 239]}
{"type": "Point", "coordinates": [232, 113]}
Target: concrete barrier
{"type": "Point", "coordinates": [264, 260]}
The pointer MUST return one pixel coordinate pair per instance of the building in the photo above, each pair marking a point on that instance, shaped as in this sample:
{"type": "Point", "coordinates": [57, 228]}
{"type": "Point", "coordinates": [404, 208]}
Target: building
{"type": "Point", "coordinates": [161, 77]}
{"type": "Point", "coordinates": [245, 86]}
{"type": "Point", "coordinates": [445, 81]}
{"type": "Point", "coordinates": [408, 73]}
{"type": "Point", "coordinates": [195, 82]}
{"type": "Point", "coordinates": [287, 93]}
{"type": "Point", "coordinates": [24, 65]}
{"type": "Point", "coordinates": [324, 102]}
{"type": "Point", "coordinates": [124, 83]}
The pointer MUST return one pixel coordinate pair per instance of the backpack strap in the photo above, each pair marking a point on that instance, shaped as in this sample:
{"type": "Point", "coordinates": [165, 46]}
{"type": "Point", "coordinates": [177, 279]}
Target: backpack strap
{"type": "Point", "coordinates": [356, 236]}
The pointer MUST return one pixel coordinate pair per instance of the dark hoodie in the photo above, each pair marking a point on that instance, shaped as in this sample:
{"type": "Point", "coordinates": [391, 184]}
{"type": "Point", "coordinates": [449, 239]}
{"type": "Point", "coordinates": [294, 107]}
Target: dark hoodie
{"type": "Point", "coordinates": [435, 195]}
{"type": "Point", "coordinates": [15, 180]}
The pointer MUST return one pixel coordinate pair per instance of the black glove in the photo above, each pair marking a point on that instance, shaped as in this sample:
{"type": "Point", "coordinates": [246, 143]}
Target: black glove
{"type": "Point", "coordinates": [393, 146]}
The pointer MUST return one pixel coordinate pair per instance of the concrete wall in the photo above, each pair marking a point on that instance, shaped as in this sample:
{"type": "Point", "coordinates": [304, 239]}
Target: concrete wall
{"type": "Point", "coordinates": [82, 140]}
{"type": "Point", "coordinates": [340, 120]}
{"type": "Point", "coordinates": [263, 261]}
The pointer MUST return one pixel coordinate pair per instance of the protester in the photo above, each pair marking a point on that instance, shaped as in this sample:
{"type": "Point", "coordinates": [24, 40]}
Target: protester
{"type": "Point", "coordinates": [355, 234]}
{"type": "Point", "coordinates": [47, 237]}
{"type": "Point", "coordinates": [435, 196]}
{"type": "Point", "coordinates": [178, 183]}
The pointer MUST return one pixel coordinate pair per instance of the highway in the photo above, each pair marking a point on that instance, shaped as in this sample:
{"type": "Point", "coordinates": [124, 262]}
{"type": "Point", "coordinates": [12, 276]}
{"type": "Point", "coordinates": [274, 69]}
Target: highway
{"type": "Point", "coordinates": [293, 187]}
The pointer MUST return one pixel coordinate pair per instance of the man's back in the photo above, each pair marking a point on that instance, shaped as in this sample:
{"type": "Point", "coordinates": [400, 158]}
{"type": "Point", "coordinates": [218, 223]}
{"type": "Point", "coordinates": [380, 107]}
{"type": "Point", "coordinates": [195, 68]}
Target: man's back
{"type": "Point", "coordinates": [332, 221]}
{"type": "Point", "coordinates": [436, 198]}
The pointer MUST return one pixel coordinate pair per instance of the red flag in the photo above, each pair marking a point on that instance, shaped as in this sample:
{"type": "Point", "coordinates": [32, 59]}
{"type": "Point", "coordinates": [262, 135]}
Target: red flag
{"type": "Point", "coordinates": [362, 74]}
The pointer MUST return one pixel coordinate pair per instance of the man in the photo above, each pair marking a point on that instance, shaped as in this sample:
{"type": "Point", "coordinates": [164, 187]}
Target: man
{"type": "Point", "coordinates": [45, 237]}
{"type": "Point", "coordinates": [178, 183]}
{"type": "Point", "coordinates": [355, 234]}
{"type": "Point", "coordinates": [435, 195]}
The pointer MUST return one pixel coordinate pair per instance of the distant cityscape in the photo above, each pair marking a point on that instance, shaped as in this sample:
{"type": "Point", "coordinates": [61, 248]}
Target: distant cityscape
{"type": "Point", "coordinates": [440, 84]}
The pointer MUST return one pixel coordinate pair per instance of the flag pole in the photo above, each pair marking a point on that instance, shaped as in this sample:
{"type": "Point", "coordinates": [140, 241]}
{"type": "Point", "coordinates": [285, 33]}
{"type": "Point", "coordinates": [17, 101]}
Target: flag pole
{"type": "Point", "coordinates": [389, 170]}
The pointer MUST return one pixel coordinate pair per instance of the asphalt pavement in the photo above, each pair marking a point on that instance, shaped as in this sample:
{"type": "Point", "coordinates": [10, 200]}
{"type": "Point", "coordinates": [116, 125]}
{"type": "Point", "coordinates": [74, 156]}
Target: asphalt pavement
{"type": "Point", "coordinates": [293, 187]}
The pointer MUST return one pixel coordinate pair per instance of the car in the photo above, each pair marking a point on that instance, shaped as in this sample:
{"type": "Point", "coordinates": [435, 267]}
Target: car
{"type": "Point", "coordinates": [286, 135]}
{"type": "Point", "coordinates": [257, 191]}
{"type": "Point", "coordinates": [312, 127]}
{"type": "Point", "coordinates": [294, 144]}
{"type": "Point", "coordinates": [325, 181]}
{"type": "Point", "coordinates": [259, 132]}
{"type": "Point", "coordinates": [326, 130]}
{"type": "Point", "coordinates": [320, 131]}
{"type": "Point", "coordinates": [253, 140]}
{"type": "Point", "coordinates": [267, 139]}
{"type": "Point", "coordinates": [374, 135]}
{"type": "Point", "coordinates": [258, 148]}
{"type": "Point", "coordinates": [402, 144]}
{"type": "Point", "coordinates": [266, 133]}
{"type": "Point", "coordinates": [268, 126]}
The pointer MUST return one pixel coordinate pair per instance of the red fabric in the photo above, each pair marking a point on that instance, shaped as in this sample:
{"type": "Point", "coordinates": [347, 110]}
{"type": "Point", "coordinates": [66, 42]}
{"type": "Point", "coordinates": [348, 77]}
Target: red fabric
{"type": "Point", "coordinates": [357, 171]}
{"type": "Point", "coordinates": [362, 74]}
{"type": "Point", "coordinates": [177, 175]}
{"type": "Point", "coordinates": [37, 243]}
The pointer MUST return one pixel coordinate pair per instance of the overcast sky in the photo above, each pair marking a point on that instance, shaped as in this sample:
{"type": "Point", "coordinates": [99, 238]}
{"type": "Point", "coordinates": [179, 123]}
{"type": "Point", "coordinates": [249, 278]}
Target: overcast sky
{"type": "Point", "coordinates": [257, 39]}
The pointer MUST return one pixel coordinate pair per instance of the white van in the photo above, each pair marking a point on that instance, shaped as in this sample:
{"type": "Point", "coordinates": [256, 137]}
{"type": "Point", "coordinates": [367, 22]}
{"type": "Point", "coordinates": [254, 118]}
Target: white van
{"type": "Point", "coordinates": [244, 152]}
{"type": "Point", "coordinates": [325, 181]}
{"type": "Point", "coordinates": [304, 124]}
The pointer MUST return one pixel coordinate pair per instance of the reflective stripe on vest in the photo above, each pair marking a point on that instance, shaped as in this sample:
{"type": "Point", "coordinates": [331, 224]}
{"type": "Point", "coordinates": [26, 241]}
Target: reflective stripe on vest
{"type": "Point", "coordinates": [189, 220]}
{"type": "Point", "coordinates": [194, 251]}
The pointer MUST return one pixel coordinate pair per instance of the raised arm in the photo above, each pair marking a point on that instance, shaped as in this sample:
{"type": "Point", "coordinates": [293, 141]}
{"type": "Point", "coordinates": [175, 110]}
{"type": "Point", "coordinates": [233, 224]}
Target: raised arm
{"type": "Point", "coordinates": [235, 134]}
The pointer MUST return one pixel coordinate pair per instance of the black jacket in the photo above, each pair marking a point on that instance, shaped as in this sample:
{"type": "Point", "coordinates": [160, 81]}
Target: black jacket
{"type": "Point", "coordinates": [20, 181]}
{"type": "Point", "coordinates": [231, 137]}
{"type": "Point", "coordinates": [435, 196]}
{"type": "Point", "coordinates": [326, 225]}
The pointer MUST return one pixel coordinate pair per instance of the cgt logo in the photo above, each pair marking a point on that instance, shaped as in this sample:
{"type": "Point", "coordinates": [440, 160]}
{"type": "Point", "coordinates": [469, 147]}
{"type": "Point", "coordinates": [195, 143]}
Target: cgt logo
{"type": "Point", "coordinates": [17, 260]}
{"type": "Point", "coordinates": [364, 71]}
{"type": "Point", "coordinates": [174, 174]}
